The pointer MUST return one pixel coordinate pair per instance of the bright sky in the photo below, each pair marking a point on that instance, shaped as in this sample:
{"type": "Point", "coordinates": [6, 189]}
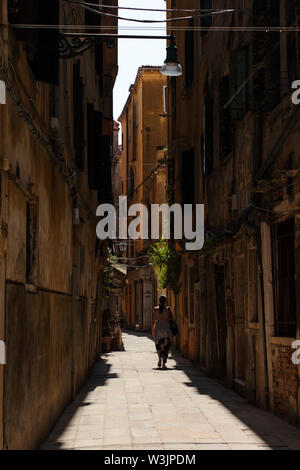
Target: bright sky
{"type": "Point", "coordinates": [134, 53]}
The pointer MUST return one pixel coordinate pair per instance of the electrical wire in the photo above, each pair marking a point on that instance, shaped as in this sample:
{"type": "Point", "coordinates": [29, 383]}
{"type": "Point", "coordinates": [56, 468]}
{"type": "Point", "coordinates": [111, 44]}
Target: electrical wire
{"type": "Point", "coordinates": [167, 20]}
{"type": "Point", "coordinates": [266, 29]}
{"type": "Point", "coordinates": [166, 10]}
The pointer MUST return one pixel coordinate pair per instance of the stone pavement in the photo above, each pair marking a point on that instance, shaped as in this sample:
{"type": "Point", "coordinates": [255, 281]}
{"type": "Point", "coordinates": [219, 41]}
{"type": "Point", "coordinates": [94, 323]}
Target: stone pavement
{"type": "Point", "coordinates": [128, 404]}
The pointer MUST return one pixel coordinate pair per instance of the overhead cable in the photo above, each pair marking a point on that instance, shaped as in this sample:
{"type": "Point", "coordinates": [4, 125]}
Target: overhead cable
{"type": "Point", "coordinates": [167, 20]}
{"type": "Point", "coordinates": [165, 10]}
{"type": "Point", "coordinates": [266, 29]}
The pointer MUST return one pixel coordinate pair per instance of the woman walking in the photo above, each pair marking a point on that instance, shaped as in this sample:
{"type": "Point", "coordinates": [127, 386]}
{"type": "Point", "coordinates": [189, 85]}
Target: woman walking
{"type": "Point", "coordinates": [162, 332]}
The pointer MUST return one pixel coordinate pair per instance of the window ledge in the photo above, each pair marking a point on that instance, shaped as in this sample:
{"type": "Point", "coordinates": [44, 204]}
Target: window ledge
{"type": "Point", "coordinates": [283, 341]}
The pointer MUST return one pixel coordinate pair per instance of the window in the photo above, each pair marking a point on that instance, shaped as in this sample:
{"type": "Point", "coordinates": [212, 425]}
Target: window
{"type": "Point", "coordinates": [284, 283]}
{"type": "Point", "coordinates": [99, 156]}
{"type": "Point", "coordinates": [31, 244]}
{"type": "Point", "coordinates": [130, 183]}
{"type": "Point", "coordinates": [42, 45]}
{"type": "Point", "coordinates": [188, 175]}
{"type": "Point", "coordinates": [208, 141]}
{"type": "Point", "coordinates": [78, 121]}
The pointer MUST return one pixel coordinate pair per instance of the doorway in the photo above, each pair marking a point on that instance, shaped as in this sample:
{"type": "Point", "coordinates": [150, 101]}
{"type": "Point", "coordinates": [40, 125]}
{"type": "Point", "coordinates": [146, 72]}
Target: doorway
{"type": "Point", "coordinates": [221, 318]}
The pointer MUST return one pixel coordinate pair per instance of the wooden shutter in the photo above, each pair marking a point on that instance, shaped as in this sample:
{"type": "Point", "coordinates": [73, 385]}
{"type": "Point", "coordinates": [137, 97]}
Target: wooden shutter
{"type": "Point", "coordinates": [284, 280]}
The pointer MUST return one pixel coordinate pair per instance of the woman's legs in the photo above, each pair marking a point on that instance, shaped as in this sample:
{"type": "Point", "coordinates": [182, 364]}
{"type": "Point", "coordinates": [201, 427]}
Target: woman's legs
{"type": "Point", "coordinates": [159, 353]}
{"type": "Point", "coordinates": [162, 348]}
{"type": "Point", "coordinates": [165, 350]}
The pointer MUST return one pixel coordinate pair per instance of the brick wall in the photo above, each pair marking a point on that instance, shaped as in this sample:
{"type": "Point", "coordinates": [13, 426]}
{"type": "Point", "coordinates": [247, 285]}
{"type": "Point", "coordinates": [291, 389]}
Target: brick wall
{"type": "Point", "coordinates": [285, 382]}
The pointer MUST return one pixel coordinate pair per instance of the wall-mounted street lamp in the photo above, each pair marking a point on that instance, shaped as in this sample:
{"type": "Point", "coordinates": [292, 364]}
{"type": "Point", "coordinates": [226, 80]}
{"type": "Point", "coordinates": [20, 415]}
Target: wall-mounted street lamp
{"type": "Point", "coordinates": [172, 67]}
{"type": "Point", "coordinates": [74, 44]}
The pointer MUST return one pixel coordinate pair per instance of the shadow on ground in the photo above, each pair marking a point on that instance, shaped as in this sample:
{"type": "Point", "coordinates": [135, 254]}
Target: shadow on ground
{"type": "Point", "coordinates": [253, 421]}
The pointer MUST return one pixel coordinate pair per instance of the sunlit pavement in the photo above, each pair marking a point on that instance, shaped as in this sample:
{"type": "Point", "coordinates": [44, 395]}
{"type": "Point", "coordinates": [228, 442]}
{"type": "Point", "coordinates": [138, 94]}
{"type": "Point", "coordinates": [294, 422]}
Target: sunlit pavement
{"type": "Point", "coordinates": [128, 404]}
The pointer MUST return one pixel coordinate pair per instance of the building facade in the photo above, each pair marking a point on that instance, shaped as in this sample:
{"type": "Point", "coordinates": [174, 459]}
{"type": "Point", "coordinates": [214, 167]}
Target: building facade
{"type": "Point", "coordinates": [234, 147]}
{"type": "Point", "coordinates": [56, 136]}
{"type": "Point", "coordinates": [142, 172]}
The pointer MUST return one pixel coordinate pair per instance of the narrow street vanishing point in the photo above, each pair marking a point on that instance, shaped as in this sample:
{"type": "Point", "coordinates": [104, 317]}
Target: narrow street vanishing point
{"type": "Point", "coordinates": [128, 404]}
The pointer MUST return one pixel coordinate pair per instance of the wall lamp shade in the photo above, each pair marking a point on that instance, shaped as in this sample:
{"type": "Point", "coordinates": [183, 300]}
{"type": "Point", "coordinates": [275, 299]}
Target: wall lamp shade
{"type": "Point", "coordinates": [172, 67]}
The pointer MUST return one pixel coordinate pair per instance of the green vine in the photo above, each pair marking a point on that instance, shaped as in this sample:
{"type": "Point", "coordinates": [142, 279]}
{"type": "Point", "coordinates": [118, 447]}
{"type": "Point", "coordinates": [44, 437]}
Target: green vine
{"type": "Point", "coordinates": [166, 262]}
{"type": "Point", "coordinates": [108, 274]}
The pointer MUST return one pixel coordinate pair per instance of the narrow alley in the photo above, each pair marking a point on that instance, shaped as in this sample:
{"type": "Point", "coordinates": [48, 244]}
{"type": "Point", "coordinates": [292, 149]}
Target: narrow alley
{"type": "Point", "coordinates": [128, 404]}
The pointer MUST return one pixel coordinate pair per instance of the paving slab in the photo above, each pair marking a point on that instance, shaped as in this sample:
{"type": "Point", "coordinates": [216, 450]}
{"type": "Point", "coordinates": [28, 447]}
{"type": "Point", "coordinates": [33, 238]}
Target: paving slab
{"type": "Point", "coordinates": [127, 403]}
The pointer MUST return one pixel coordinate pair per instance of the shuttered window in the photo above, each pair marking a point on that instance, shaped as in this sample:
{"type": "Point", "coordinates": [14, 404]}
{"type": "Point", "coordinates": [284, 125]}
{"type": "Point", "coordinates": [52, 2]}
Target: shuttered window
{"type": "Point", "coordinates": [99, 156]}
{"type": "Point", "coordinates": [284, 279]}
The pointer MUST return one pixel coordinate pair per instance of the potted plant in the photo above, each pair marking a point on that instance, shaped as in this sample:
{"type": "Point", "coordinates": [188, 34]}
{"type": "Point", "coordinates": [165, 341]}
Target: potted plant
{"type": "Point", "coordinates": [107, 332]}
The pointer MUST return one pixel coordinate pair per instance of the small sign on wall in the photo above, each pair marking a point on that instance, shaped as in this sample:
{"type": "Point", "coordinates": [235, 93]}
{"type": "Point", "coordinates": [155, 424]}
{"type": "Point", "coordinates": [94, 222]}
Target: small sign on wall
{"type": "Point", "coordinates": [2, 353]}
{"type": "Point", "coordinates": [2, 92]}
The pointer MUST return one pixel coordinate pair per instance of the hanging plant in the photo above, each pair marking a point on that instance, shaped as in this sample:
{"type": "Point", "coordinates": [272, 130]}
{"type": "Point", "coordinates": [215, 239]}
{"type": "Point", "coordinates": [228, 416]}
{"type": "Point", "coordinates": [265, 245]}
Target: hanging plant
{"type": "Point", "coordinates": [166, 262]}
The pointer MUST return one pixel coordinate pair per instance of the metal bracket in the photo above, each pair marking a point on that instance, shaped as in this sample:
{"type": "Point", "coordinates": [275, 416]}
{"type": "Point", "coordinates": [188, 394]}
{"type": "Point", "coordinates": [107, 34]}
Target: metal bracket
{"type": "Point", "coordinates": [74, 46]}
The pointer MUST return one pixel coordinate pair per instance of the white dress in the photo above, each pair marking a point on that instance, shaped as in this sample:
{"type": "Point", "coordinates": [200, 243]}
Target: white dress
{"type": "Point", "coordinates": [162, 329]}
